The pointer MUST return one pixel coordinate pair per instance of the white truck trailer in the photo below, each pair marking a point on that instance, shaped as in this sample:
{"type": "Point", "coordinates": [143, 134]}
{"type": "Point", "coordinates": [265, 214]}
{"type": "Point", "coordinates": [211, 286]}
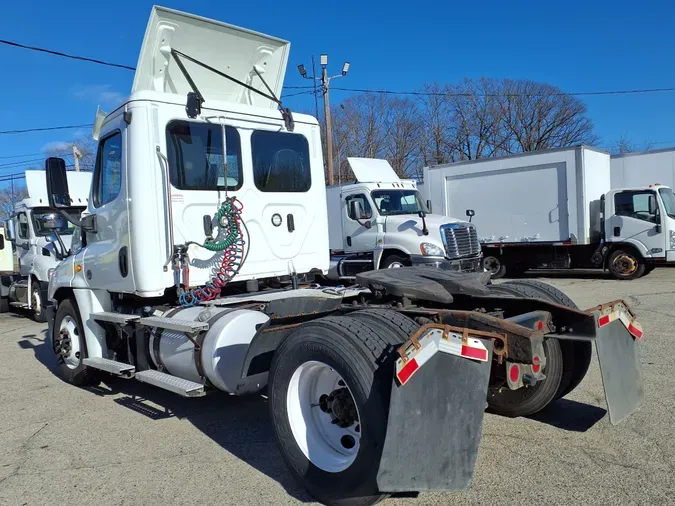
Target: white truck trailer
{"type": "Point", "coordinates": [38, 245]}
{"type": "Point", "coordinates": [555, 209]}
{"type": "Point", "coordinates": [379, 221]}
{"type": "Point", "coordinates": [207, 195]}
{"type": "Point", "coordinates": [643, 169]}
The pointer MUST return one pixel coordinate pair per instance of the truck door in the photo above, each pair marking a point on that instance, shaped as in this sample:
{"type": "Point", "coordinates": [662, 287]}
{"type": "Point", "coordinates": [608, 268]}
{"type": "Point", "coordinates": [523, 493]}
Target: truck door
{"type": "Point", "coordinates": [24, 250]}
{"type": "Point", "coordinates": [357, 236]}
{"type": "Point", "coordinates": [635, 219]}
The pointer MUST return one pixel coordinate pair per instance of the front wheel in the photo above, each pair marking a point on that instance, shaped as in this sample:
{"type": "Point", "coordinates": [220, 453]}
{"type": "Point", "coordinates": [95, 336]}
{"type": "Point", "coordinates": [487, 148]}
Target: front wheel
{"type": "Point", "coordinates": [69, 344]}
{"type": "Point", "coordinates": [394, 262]}
{"type": "Point", "coordinates": [37, 303]}
{"type": "Point", "coordinates": [329, 390]}
{"type": "Point", "coordinates": [494, 266]}
{"type": "Point", "coordinates": [625, 265]}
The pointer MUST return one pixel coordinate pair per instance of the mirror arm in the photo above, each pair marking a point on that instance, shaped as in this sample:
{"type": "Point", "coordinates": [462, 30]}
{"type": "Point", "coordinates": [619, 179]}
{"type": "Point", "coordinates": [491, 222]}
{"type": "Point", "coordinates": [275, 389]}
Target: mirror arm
{"type": "Point", "coordinates": [65, 251]}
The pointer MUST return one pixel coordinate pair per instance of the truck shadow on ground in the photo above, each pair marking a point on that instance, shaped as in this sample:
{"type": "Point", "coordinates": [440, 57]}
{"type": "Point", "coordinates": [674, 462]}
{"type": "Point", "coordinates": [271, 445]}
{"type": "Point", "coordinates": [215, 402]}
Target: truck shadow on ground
{"type": "Point", "coordinates": [570, 415]}
{"type": "Point", "coordinates": [240, 425]}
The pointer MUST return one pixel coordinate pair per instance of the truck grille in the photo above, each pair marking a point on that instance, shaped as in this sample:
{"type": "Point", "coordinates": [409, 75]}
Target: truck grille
{"type": "Point", "coordinates": [460, 240]}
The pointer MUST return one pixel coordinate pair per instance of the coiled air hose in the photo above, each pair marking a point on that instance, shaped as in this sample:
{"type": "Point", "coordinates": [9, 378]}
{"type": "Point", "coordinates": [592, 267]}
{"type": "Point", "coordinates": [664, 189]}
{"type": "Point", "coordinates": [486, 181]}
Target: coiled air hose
{"type": "Point", "coordinates": [234, 251]}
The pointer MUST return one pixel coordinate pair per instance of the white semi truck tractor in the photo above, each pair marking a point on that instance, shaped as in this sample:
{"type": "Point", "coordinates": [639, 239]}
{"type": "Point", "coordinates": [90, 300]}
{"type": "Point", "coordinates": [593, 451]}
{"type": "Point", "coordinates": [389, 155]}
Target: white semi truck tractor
{"type": "Point", "coordinates": [41, 239]}
{"type": "Point", "coordinates": [205, 226]}
{"type": "Point", "coordinates": [379, 221]}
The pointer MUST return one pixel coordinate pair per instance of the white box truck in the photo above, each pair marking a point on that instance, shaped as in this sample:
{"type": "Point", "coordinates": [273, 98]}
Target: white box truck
{"type": "Point", "coordinates": [379, 221]}
{"type": "Point", "coordinates": [206, 192]}
{"type": "Point", "coordinates": [644, 168]}
{"type": "Point", "coordinates": [556, 209]}
{"type": "Point", "coordinates": [41, 239]}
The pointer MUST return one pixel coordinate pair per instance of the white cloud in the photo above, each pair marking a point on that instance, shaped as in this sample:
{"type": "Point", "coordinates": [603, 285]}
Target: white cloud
{"type": "Point", "coordinates": [56, 147]}
{"type": "Point", "coordinates": [102, 94]}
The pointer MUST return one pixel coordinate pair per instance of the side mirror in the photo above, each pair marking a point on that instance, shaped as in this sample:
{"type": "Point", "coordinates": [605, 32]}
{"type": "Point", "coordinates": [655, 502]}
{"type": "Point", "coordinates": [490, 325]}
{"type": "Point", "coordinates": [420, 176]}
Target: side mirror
{"type": "Point", "coordinates": [355, 209]}
{"type": "Point", "coordinates": [422, 214]}
{"type": "Point", "coordinates": [9, 230]}
{"type": "Point", "coordinates": [470, 213]}
{"type": "Point", "coordinates": [53, 221]}
{"type": "Point", "coordinates": [429, 206]}
{"type": "Point", "coordinates": [57, 183]}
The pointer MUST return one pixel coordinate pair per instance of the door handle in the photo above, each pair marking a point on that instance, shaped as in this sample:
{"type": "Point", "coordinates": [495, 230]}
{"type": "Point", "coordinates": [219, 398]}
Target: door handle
{"type": "Point", "coordinates": [290, 222]}
{"type": "Point", "coordinates": [349, 240]}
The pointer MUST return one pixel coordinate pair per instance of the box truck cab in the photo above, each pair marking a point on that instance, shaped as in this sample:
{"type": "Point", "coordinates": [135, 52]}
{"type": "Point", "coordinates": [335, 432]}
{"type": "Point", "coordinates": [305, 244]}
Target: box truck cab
{"type": "Point", "coordinates": [381, 221]}
{"type": "Point", "coordinates": [41, 240]}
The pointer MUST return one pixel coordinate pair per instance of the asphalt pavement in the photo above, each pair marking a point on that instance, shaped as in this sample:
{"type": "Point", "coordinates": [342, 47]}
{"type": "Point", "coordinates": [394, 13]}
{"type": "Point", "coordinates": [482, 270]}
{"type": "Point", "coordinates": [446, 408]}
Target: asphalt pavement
{"type": "Point", "coordinates": [126, 443]}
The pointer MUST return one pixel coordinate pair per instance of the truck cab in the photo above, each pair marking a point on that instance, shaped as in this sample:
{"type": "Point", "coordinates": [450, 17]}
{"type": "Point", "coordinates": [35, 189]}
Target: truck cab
{"type": "Point", "coordinates": [381, 221]}
{"type": "Point", "coordinates": [41, 240]}
{"type": "Point", "coordinates": [639, 229]}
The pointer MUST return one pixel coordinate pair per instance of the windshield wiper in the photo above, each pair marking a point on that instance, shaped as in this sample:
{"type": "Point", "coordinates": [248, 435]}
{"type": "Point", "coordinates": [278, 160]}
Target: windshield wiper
{"type": "Point", "coordinates": [196, 99]}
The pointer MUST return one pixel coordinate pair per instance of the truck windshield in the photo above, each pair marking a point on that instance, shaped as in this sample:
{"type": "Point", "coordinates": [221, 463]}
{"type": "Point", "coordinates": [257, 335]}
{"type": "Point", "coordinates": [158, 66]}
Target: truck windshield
{"type": "Point", "coordinates": [390, 202]}
{"type": "Point", "coordinates": [668, 201]}
{"type": "Point", "coordinates": [67, 229]}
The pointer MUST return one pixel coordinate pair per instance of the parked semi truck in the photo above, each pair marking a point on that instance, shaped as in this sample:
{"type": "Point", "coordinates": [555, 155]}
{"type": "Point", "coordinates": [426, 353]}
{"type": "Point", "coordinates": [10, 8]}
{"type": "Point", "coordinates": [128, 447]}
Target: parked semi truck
{"type": "Point", "coordinates": [34, 245]}
{"type": "Point", "coordinates": [556, 209]}
{"type": "Point", "coordinates": [207, 196]}
{"type": "Point", "coordinates": [380, 221]}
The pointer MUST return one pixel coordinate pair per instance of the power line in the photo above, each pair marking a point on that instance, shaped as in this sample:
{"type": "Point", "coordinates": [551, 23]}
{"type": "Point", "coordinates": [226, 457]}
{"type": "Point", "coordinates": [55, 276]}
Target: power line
{"type": "Point", "coordinates": [561, 93]}
{"type": "Point", "coordinates": [66, 55]}
{"type": "Point", "coordinates": [43, 129]}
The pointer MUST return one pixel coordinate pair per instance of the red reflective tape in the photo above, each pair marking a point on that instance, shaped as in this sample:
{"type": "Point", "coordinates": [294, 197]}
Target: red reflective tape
{"type": "Point", "coordinates": [635, 331]}
{"type": "Point", "coordinates": [407, 370]}
{"type": "Point", "coordinates": [477, 353]}
{"type": "Point", "coordinates": [604, 320]}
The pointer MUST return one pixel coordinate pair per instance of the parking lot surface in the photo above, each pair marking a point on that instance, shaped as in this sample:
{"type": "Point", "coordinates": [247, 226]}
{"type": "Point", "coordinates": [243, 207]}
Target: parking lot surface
{"type": "Point", "coordinates": [126, 443]}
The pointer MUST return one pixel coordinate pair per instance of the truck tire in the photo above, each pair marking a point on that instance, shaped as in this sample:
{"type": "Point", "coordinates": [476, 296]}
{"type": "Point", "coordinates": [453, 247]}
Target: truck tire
{"type": "Point", "coordinates": [4, 305]}
{"type": "Point", "coordinates": [399, 325]}
{"type": "Point", "coordinates": [394, 261]}
{"type": "Point", "coordinates": [528, 400]}
{"type": "Point", "coordinates": [576, 354]}
{"type": "Point", "coordinates": [343, 364]}
{"type": "Point", "coordinates": [624, 264]}
{"type": "Point", "coordinates": [494, 266]}
{"type": "Point", "coordinates": [70, 346]}
{"type": "Point", "coordinates": [37, 303]}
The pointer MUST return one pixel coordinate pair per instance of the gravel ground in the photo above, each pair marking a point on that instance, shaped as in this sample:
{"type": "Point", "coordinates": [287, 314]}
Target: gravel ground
{"type": "Point", "coordinates": [125, 443]}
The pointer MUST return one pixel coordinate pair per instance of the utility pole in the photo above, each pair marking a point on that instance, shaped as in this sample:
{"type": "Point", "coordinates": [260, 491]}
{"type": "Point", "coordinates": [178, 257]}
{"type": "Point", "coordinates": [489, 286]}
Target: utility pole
{"type": "Point", "coordinates": [325, 86]}
{"type": "Point", "coordinates": [76, 156]}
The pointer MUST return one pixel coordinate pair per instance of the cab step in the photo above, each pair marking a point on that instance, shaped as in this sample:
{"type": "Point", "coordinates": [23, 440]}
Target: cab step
{"type": "Point", "coordinates": [111, 366]}
{"type": "Point", "coordinates": [180, 386]}
{"type": "Point", "coordinates": [20, 305]}
{"type": "Point", "coordinates": [120, 318]}
{"type": "Point", "coordinates": [161, 322]}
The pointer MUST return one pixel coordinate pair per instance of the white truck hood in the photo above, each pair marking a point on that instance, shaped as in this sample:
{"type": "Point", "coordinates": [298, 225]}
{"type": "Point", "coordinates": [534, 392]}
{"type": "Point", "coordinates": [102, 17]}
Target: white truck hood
{"type": "Point", "coordinates": [372, 170]}
{"type": "Point", "coordinates": [228, 49]}
{"type": "Point", "coordinates": [412, 222]}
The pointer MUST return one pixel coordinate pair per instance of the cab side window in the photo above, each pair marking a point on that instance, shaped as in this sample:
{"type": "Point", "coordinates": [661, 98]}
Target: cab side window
{"type": "Point", "coordinates": [640, 205]}
{"type": "Point", "coordinates": [22, 222]}
{"type": "Point", "coordinates": [108, 175]}
{"type": "Point", "coordinates": [366, 210]}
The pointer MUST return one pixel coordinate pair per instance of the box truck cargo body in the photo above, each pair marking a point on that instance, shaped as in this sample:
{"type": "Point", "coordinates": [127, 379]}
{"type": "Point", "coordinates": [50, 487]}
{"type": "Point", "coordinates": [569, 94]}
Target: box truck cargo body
{"type": "Point", "coordinates": [642, 169]}
{"type": "Point", "coordinates": [556, 209]}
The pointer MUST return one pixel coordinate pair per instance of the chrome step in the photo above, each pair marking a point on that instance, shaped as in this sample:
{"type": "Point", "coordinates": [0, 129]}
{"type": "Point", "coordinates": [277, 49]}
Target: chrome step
{"type": "Point", "coordinates": [121, 318]}
{"type": "Point", "coordinates": [111, 366]}
{"type": "Point", "coordinates": [174, 324]}
{"type": "Point", "coordinates": [174, 384]}
{"type": "Point", "coordinates": [21, 305]}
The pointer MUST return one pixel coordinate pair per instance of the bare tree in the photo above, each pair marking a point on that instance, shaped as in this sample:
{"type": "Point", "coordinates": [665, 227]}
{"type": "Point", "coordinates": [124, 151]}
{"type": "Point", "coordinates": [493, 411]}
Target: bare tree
{"type": "Point", "coordinates": [626, 145]}
{"type": "Point", "coordinates": [8, 197]}
{"type": "Point", "coordinates": [436, 146]}
{"type": "Point", "coordinates": [541, 116]}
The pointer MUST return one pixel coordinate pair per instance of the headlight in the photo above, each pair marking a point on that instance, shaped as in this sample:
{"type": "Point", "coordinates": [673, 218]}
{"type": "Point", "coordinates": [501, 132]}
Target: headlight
{"type": "Point", "coordinates": [431, 250]}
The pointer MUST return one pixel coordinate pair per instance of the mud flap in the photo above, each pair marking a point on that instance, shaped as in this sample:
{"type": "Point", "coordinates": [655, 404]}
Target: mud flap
{"type": "Point", "coordinates": [620, 368]}
{"type": "Point", "coordinates": [435, 424]}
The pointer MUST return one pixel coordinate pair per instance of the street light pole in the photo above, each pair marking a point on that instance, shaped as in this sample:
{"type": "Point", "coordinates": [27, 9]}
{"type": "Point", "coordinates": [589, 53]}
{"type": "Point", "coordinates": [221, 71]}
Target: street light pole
{"type": "Point", "coordinates": [325, 87]}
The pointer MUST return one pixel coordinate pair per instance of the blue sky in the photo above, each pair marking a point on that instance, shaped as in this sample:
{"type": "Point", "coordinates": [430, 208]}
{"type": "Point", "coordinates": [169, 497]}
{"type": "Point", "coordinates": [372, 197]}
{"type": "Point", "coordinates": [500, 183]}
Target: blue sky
{"type": "Point", "coordinates": [578, 46]}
